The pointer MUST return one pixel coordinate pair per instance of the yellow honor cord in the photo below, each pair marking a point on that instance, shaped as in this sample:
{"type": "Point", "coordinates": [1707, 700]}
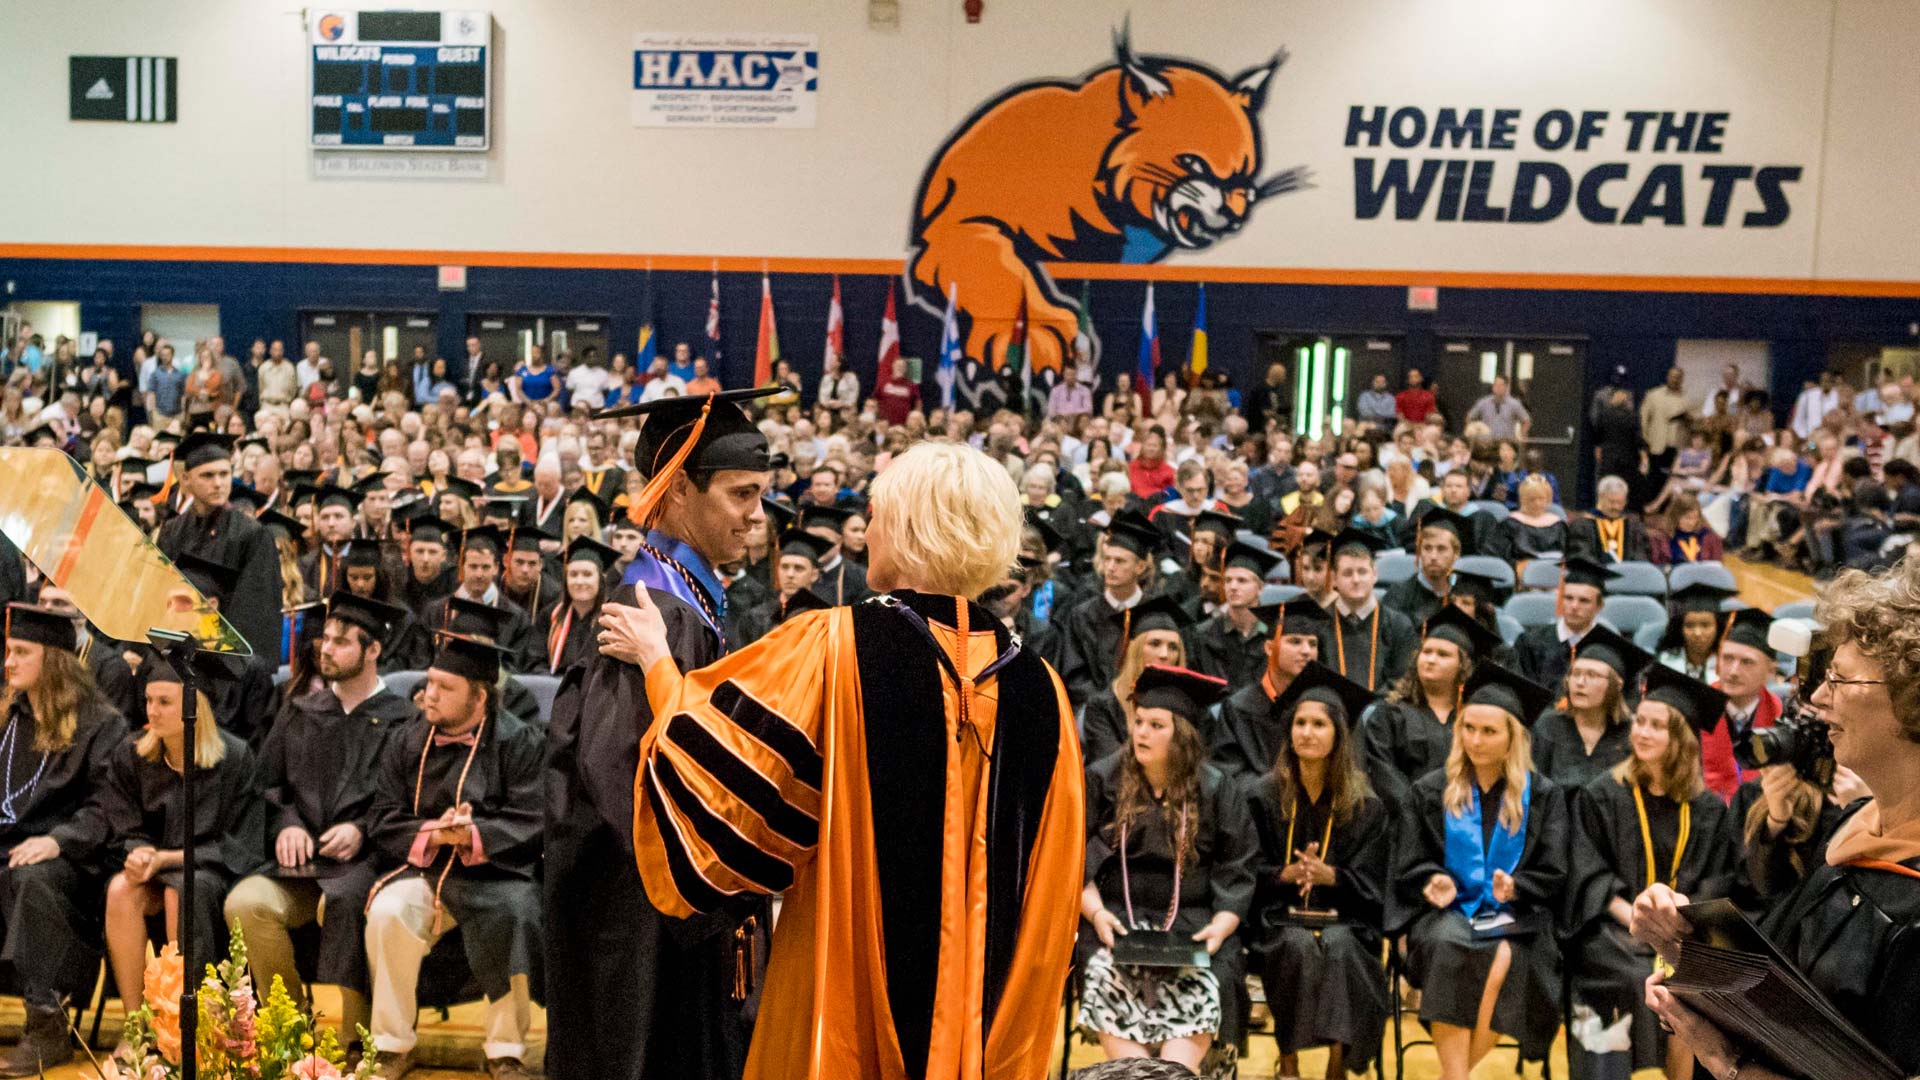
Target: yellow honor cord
{"type": "Point", "coordinates": [1646, 839]}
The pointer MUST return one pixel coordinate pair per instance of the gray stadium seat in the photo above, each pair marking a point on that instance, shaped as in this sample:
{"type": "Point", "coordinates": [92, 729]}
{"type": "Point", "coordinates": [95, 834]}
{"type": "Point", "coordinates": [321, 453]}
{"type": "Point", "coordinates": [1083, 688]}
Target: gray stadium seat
{"type": "Point", "coordinates": [1540, 575]}
{"type": "Point", "coordinates": [1795, 609]}
{"type": "Point", "coordinates": [1637, 579]}
{"type": "Point", "coordinates": [1489, 506]}
{"type": "Point", "coordinates": [1530, 609]}
{"type": "Point", "coordinates": [1395, 567]}
{"type": "Point", "coordinates": [404, 682]}
{"type": "Point", "coordinates": [1509, 627]}
{"type": "Point", "coordinates": [1648, 636]}
{"type": "Point", "coordinates": [1280, 594]}
{"type": "Point", "coordinates": [543, 687]}
{"type": "Point", "coordinates": [1629, 613]}
{"type": "Point", "coordinates": [1710, 573]}
{"type": "Point", "coordinates": [1487, 566]}
{"type": "Point", "coordinates": [281, 674]}
{"type": "Point", "coordinates": [1558, 511]}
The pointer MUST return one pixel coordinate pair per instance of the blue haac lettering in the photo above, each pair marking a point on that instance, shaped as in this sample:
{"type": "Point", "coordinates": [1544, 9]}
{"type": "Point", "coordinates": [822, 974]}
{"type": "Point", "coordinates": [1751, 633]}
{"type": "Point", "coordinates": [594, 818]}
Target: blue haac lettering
{"type": "Point", "coordinates": [1774, 208]}
{"type": "Point", "coordinates": [1662, 195]}
{"type": "Point", "coordinates": [1452, 187]}
{"type": "Point", "coordinates": [1409, 199]}
{"type": "Point", "coordinates": [1526, 182]}
{"type": "Point", "coordinates": [1588, 198]}
{"type": "Point", "coordinates": [1479, 185]}
{"type": "Point", "coordinates": [1724, 179]}
{"type": "Point", "coordinates": [1468, 130]}
{"type": "Point", "coordinates": [1362, 124]}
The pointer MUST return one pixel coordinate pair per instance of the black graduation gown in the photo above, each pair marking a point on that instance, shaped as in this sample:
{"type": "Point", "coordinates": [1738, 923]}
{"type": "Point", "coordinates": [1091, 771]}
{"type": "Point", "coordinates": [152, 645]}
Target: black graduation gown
{"type": "Point", "coordinates": [1324, 981]}
{"type": "Point", "coordinates": [844, 584]}
{"type": "Point", "coordinates": [1413, 599]}
{"type": "Point", "coordinates": [1607, 858]}
{"type": "Point", "coordinates": [1543, 657]}
{"type": "Point", "coordinates": [1561, 753]}
{"type": "Point", "coordinates": [1248, 732]}
{"type": "Point", "coordinates": [744, 593]}
{"type": "Point", "coordinates": [497, 902]}
{"type": "Point", "coordinates": [1215, 648]}
{"type": "Point", "coordinates": [580, 641]}
{"type": "Point", "coordinates": [629, 968]}
{"type": "Point", "coordinates": [1489, 536]}
{"type": "Point", "coordinates": [1219, 879]}
{"type": "Point", "coordinates": [1770, 866]}
{"type": "Point", "coordinates": [1352, 652]}
{"type": "Point", "coordinates": [756, 622]}
{"type": "Point", "coordinates": [114, 677]}
{"type": "Point", "coordinates": [538, 603]}
{"type": "Point", "coordinates": [1091, 647]}
{"type": "Point", "coordinates": [414, 651]}
{"type": "Point", "coordinates": [1399, 743]}
{"type": "Point", "coordinates": [1444, 958]}
{"type": "Point", "coordinates": [1583, 539]}
{"type": "Point", "coordinates": [234, 539]}
{"type": "Point", "coordinates": [245, 705]}
{"type": "Point", "coordinates": [1525, 541]}
{"type": "Point", "coordinates": [415, 595]}
{"type": "Point", "coordinates": [49, 912]}
{"type": "Point", "coordinates": [1103, 726]}
{"type": "Point", "coordinates": [317, 770]}
{"type": "Point", "coordinates": [142, 801]}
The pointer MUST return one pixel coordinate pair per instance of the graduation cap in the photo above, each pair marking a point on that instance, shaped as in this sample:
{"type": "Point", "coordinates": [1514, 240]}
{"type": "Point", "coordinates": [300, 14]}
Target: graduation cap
{"type": "Point", "coordinates": [139, 491]}
{"type": "Point", "coordinates": [806, 545]}
{"type": "Point", "coordinates": [1159, 612]}
{"type": "Point", "coordinates": [407, 503]}
{"type": "Point", "coordinates": [587, 549]}
{"type": "Point", "coordinates": [802, 601]}
{"type": "Point", "coordinates": [501, 507]}
{"type": "Point", "coordinates": [473, 618]}
{"type": "Point", "coordinates": [1318, 682]}
{"type": "Point", "coordinates": [1479, 586]}
{"type": "Point", "coordinates": [370, 483]}
{"type": "Point", "coordinates": [1749, 627]}
{"type": "Point", "coordinates": [338, 496]}
{"type": "Point", "coordinates": [1180, 691]}
{"type": "Point", "coordinates": [1049, 536]}
{"type": "Point", "coordinates": [467, 657]}
{"type": "Point", "coordinates": [601, 508]}
{"type": "Point", "coordinates": [825, 517]}
{"type": "Point", "coordinates": [1515, 694]}
{"type": "Point", "coordinates": [1297, 616]}
{"type": "Point", "coordinates": [1579, 570]}
{"type": "Point", "coordinates": [780, 516]}
{"type": "Point", "coordinates": [429, 528]}
{"type": "Point", "coordinates": [1700, 704]}
{"type": "Point", "coordinates": [527, 537]}
{"type": "Point", "coordinates": [301, 476]}
{"type": "Point", "coordinates": [1625, 658]}
{"type": "Point", "coordinates": [1132, 530]}
{"type": "Point", "coordinates": [461, 486]}
{"type": "Point", "coordinates": [1247, 557]}
{"type": "Point", "coordinates": [280, 524]}
{"type": "Point", "coordinates": [135, 465]}
{"type": "Point", "coordinates": [491, 537]}
{"type": "Point", "coordinates": [376, 618]}
{"type": "Point", "coordinates": [1450, 624]}
{"type": "Point", "coordinates": [253, 441]}
{"type": "Point", "coordinates": [1351, 538]}
{"type": "Point", "coordinates": [42, 626]}
{"type": "Point", "coordinates": [1700, 597]}
{"type": "Point", "coordinates": [1219, 522]}
{"type": "Point", "coordinates": [205, 575]}
{"type": "Point", "coordinates": [700, 435]}
{"type": "Point", "coordinates": [246, 500]}
{"type": "Point", "coordinates": [171, 441]}
{"type": "Point", "coordinates": [202, 448]}
{"type": "Point", "coordinates": [307, 621]}
{"type": "Point", "coordinates": [364, 554]}
{"type": "Point", "coordinates": [1316, 542]}
{"type": "Point", "coordinates": [1439, 517]}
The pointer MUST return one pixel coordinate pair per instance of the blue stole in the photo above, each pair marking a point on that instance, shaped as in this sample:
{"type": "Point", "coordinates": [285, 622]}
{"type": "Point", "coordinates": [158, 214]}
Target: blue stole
{"type": "Point", "coordinates": [1471, 862]}
{"type": "Point", "coordinates": [647, 572]}
{"type": "Point", "coordinates": [1042, 603]}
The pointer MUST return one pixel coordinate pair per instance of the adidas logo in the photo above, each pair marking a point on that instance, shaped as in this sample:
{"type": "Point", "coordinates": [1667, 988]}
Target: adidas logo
{"type": "Point", "coordinates": [100, 91]}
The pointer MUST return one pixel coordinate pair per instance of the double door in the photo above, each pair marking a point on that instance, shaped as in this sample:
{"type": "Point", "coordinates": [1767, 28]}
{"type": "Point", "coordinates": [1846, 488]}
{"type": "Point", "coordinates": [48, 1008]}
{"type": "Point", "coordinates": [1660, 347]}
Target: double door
{"type": "Point", "coordinates": [1328, 373]}
{"type": "Point", "coordinates": [511, 338]}
{"type": "Point", "coordinates": [345, 336]}
{"type": "Point", "coordinates": [1548, 375]}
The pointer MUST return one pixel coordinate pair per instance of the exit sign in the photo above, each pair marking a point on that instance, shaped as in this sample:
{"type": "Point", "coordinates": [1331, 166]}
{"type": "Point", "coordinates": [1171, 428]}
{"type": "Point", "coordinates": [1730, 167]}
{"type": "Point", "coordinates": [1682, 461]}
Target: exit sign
{"type": "Point", "coordinates": [453, 278]}
{"type": "Point", "coordinates": [1423, 298]}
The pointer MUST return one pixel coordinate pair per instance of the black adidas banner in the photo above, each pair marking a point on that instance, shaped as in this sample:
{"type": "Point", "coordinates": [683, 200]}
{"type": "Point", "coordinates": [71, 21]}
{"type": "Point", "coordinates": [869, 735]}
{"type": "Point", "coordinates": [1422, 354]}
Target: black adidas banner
{"type": "Point", "coordinates": [135, 89]}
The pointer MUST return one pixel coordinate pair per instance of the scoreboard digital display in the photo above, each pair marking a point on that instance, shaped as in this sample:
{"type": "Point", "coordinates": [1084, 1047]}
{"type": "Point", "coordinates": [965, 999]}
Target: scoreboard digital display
{"type": "Point", "coordinates": [401, 80]}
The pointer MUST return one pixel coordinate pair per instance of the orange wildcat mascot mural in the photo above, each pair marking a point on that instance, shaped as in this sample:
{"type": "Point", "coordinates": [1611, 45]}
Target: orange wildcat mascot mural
{"type": "Point", "coordinates": [1143, 157]}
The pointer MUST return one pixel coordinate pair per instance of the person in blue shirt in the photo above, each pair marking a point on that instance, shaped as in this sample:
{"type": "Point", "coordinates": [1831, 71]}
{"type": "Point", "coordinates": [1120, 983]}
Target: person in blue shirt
{"type": "Point", "coordinates": [681, 366]}
{"type": "Point", "coordinates": [535, 380]}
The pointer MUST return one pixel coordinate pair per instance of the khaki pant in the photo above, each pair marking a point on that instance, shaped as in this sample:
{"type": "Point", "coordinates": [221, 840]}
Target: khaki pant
{"type": "Point", "coordinates": [267, 909]}
{"type": "Point", "coordinates": [399, 936]}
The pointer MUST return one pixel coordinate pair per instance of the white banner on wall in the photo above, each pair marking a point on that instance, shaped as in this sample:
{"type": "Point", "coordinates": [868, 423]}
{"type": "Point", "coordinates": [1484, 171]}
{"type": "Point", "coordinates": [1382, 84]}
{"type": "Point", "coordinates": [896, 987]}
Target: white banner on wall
{"type": "Point", "coordinates": [725, 80]}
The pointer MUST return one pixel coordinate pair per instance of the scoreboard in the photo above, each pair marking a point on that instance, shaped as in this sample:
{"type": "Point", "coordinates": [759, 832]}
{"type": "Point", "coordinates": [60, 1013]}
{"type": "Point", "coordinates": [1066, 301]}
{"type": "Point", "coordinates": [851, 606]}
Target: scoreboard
{"type": "Point", "coordinates": [400, 80]}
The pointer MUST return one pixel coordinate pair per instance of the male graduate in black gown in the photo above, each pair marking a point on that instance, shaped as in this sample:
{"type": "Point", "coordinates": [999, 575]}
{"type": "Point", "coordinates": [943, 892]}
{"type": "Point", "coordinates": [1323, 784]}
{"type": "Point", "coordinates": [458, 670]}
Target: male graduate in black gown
{"type": "Point", "coordinates": [1441, 537]}
{"type": "Point", "coordinates": [222, 534]}
{"type": "Point", "coordinates": [842, 581]}
{"type": "Point", "coordinates": [430, 574]}
{"type": "Point", "coordinates": [1251, 727]}
{"type": "Point", "coordinates": [1546, 652]}
{"type": "Point", "coordinates": [482, 554]}
{"type": "Point", "coordinates": [1231, 644]}
{"type": "Point", "coordinates": [1095, 634]}
{"type": "Point", "coordinates": [1367, 641]}
{"type": "Point", "coordinates": [646, 995]}
{"type": "Point", "coordinates": [796, 571]}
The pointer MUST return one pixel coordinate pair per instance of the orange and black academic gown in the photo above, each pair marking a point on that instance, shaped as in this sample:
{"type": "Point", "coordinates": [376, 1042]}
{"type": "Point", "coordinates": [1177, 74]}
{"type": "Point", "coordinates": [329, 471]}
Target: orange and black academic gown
{"type": "Point", "coordinates": [931, 891]}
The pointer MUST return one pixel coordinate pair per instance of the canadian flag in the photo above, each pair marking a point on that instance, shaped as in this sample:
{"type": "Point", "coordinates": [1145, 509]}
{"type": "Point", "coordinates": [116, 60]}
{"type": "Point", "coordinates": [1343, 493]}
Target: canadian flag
{"type": "Point", "coordinates": [836, 332]}
{"type": "Point", "coordinates": [889, 338]}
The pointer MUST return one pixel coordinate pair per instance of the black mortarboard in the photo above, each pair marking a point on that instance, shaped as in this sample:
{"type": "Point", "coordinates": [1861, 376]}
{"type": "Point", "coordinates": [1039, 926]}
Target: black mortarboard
{"type": "Point", "coordinates": [1318, 682]}
{"type": "Point", "coordinates": [804, 600]}
{"type": "Point", "coordinates": [309, 620]}
{"type": "Point", "coordinates": [1749, 627]}
{"type": "Point", "coordinates": [370, 483]}
{"type": "Point", "coordinates": [209, 577]}
{"type": "Point", "coordinates": [1579, 570]}
{"type": "Point", "coordinates": [1259, 560]}
{"type": "Point", "coordinates": [1456, 626]}
{"type": "Point", "coordinates": [727, 439]}
{"type": "Point", "coordinates": [1130, 529]}
{"type": "Point", "coordinates": [42, 626]}
{"type": "Point", "coordinates": [1049, 536]}
{"type": "Point", "coordinates": [429, 528]}
{"type": "Point", "coordinates": [780, 516]}
{"type": "Point", "coordinates": [338, 496]}
{"type": "Point", "coordinates": [301, 476]}
{"type": "Point", "coordinates": [469, 658]}
{"type": "Point", "coordinates": [1316, 542]}
{"type": "Point", "coordinates": [246, 500]}
{"type": "Point", "coordinates": [461, 486]}
{"type": "Point", "coordinates": [1700, 704]}
{"type": "Point", "coordinates": [1180, 691]}
{"type": "Point", "coordinates": [203, 448]}
{"type": "Point", "coordinates": [139, 490]}
{"type": "Point", "coordinates": [1625, 658]}
{"type": "Point", "coordinates": [806, 545]}
{"type": "Point", "coordinates": [528, 537]}
{"type": "Point", "coordinates": [408, 503]}
{"type": "Point", "coordinates": [1701, 596]}
{"type": "Point", "coordinates": [501, 507]}
{"type": "Point", "coordinates": [1218, 522]}
{"type": "Point", "coordinates": [280, 524]}
{"type": "Point", "coordinates": [1351, 538]}
{"type": "Point", "coordinates": [1159, 612]}
{"type": "Point", "coordinates": [1479, 586]}
{"type": "Point", "coordinates": [584, 494]}
{"type": "Point", "coordinates": [826, 517]}
{"type": "Point", "coordinates": [363, 553]}
{"type": "Point", "coordinates": [474, 618]}
{"type": "Point", "coordinates": [303, 493]}
{"type": "Point", "coordinates": [491, 537]}
{"type": "Point", "coordinates": [171, 440]}
{"type": "Point", "coordinates": [1299, 615]}
{"type": "Point", "coordinates": [587, 549]}
{"type": "Point", "coordinates": [135, 465]}
{"type": "Point", "coordinates": [1436, 516]}
{"type": "Point", "coordinates": [1518, 695]}
{"type": "Point", "coordinates": [253, 440]}
{"type": "Point", "coordinates": [377, 619]}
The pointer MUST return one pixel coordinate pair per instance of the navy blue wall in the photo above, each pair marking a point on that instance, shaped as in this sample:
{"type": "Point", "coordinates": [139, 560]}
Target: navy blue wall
{"type": "Point", "coordinates": [1636, 330]}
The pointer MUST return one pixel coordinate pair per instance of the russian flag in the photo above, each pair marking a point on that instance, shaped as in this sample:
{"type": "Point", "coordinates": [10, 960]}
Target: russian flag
{"type": "Point", "coordinates": [1149, 355]}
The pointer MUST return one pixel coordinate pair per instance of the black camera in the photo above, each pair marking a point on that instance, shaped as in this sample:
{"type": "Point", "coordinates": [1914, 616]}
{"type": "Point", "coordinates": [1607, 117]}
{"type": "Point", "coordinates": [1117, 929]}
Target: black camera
{"type": "Point", "coordinates": [1800, 737]}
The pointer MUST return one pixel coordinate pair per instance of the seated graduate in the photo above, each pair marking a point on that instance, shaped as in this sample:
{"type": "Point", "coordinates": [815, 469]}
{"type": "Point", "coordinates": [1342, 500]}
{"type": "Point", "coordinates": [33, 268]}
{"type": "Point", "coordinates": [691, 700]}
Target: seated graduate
{"type": "Point", "coordinates": [1319, 882]}
{"type": "Point", "coordinates": [1411, 733]}
{"type": "Point", "coordinates": [1479, 862]}
{"type": "Point", "coordinates": [1231, 643]}
{"type": "Point", "coordinates": [1440, 538]}
{"type": "Point", "coordinates": [1251, 725]}
{"type": "Point", "coordinates": [1095, 633]}
{"type": "Point", "coordinates": [1155, 626]}
{"type": "Point", "coordinates": [1479, 596]}
{"type": "Point", "coordinates": [481, 555]}
{"type": "Point", "coordinates": [1587, 735]}
{"type": "Point", "coordinates": [843, 579]}
{"type": "Point", "coordinates": [142, 803]}
{"type": "Point", "coordinates": [1607, 534]}
{"type": "Point", "coordinates": [457, 829]}
{"type": "Point", "coordinates": [1169, 848]}
{"type": "Point", "coordinates": [244, 704]}
{"type": "Point", "coordinates": [1650, 819]}
{"type": "Point", "coordinates": [524, 580]}
{"type": "Point", "coordinates": [588, 566]}
{"type": "Point", "coordinates": [57, 736]}
{"type": "Point", "coordinates": [796, 570]}
{"type": "Point", "coordinates": [1533, 529]}
{"type": "Point", "coordinates": [1691, 644]}
{"type": "Point", "coordinates": [429, 575]}
{"type": "Point", "coordinates": [1369, 642]}
{"type": "Point", "coordinates": [316, 781]}
{"type": "Point", "coordinates": [1545, 652]}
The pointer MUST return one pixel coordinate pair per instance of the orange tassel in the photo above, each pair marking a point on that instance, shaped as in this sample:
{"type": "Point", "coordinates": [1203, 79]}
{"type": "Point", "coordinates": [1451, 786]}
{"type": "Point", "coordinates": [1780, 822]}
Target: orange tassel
{"type": "Point", "coordinates": [644, 509]}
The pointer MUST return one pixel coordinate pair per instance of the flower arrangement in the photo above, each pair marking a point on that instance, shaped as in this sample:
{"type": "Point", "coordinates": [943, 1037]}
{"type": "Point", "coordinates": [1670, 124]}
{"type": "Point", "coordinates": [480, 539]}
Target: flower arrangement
{"type": "Point", "coordinates": [238, 1038]}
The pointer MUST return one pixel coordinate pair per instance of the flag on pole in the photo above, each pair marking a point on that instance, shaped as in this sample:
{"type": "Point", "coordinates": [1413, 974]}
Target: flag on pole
{"type": "Point", "coordinates": [713, 325]}
{"type": "Point", "coordinates": [648, 346]}
{"type": "Point", "coordinates": [1149, 355]}
{"type": "Point", "coordinates": [1197, 354]}
{"type": "Point", "coordinates": [1017, 371]}
{"type": "Point", "coordinates": [950, 356]}
{"type": "Point", "coordinates": [768, 349]}
{"type": "Point", "coordinates": [836, 333]}
{"type": "Point", "coordinates": [1083, 334]}
{"type": "Point", "coordinates": [889, 339]}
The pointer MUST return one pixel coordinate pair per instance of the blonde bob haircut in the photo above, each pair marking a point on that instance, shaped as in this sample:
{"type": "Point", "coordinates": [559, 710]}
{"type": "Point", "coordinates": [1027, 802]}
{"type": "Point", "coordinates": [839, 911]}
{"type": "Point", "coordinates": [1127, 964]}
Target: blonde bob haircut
{"type": "Point", "coordinates": [951, 518]}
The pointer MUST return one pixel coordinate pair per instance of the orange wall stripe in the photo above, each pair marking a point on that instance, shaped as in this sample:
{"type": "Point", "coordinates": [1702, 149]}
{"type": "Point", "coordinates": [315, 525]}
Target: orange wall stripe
{"type": "Point", "coordinates": [1250, 275]}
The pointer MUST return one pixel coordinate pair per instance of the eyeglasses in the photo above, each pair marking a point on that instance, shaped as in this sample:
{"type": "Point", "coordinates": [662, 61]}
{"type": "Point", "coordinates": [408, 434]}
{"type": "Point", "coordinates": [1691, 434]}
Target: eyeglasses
{"type": "Point", "coordinates": [1836, 681]}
